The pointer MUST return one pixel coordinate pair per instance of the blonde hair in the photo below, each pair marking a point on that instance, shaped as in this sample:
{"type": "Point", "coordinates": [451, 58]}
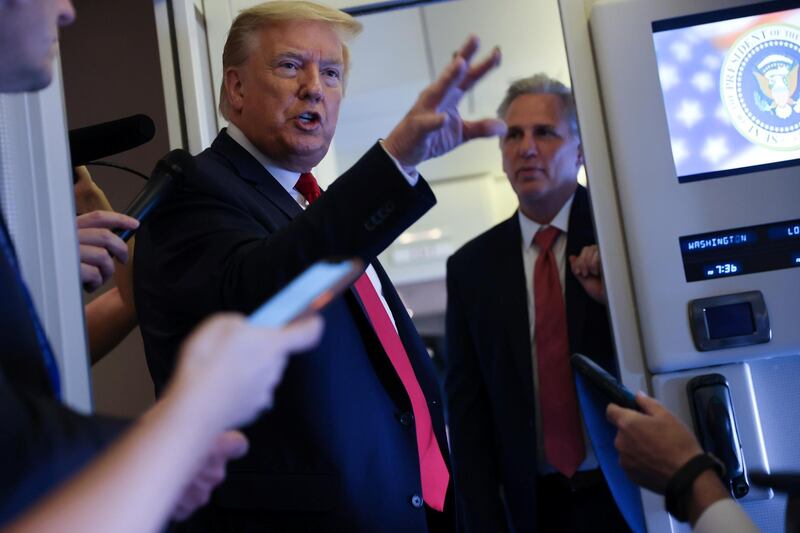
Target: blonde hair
{"type": "Point", "coordinates": [244, 30]}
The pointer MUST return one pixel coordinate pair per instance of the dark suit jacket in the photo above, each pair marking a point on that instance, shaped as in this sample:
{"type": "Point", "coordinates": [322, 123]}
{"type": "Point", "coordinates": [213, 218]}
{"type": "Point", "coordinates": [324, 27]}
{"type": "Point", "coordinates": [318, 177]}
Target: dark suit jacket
{"type": "Point", "coordinates": [334, 454]}
{"type": "Point", "coordinates": [489, 374]}
{"type": "Point", "coordinates": [41, 441]}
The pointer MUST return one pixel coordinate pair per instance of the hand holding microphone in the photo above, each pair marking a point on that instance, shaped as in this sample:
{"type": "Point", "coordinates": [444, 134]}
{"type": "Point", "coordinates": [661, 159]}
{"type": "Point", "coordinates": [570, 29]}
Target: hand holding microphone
{"type": "Point", "coordinates": [102, 234]}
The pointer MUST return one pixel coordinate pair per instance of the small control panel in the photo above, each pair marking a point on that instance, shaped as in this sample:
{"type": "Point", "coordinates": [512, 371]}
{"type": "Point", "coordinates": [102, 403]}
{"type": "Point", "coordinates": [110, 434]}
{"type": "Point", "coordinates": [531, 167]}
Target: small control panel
{"type": "Point", "coordinates": [729, 321]}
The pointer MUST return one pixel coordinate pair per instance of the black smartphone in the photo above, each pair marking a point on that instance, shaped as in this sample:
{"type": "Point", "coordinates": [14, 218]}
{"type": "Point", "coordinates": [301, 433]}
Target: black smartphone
{"type": "Point", "coordinates": [608, 385]}
{"type": "Point", "coordinates": [308, 293]}
{"type": "Point", "coordinates": [715, 426]}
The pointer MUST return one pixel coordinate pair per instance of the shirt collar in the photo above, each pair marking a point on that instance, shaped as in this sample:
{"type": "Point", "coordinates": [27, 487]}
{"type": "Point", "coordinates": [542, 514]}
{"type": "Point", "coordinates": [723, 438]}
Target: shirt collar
{"type": "Point", "coordinates": [530, 227]}
{"type": "Point", "coordinates": [286, 178]}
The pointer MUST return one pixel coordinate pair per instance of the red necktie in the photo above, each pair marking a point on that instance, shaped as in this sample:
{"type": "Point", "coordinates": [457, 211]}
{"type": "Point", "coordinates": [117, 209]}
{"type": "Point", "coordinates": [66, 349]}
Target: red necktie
{"type": "Point", "coordinates": [561, 424]}
{"type": "Point", "coordinates": [434, 475]}
{"type": "Point", "coordinates": [308, 187]}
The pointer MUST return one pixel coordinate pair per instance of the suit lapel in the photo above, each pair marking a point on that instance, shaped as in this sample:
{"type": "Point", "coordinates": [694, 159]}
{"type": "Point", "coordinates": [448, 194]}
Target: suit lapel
{"type": "Point", "coordinates": [254, 173]}
{"type": "Point", "coordinates": [512, 293]}
{"type": "Point", "coordinates": [580, 234]}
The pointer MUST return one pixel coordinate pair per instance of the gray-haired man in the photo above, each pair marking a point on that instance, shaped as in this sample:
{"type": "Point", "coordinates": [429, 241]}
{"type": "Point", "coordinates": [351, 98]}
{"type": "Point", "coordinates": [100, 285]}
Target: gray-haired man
{"type": "Point", "coordinates": [514, 314]}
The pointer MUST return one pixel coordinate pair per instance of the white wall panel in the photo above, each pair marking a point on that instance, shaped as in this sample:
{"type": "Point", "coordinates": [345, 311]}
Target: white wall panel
{"type": "Point", "coordinates": [37, 199]}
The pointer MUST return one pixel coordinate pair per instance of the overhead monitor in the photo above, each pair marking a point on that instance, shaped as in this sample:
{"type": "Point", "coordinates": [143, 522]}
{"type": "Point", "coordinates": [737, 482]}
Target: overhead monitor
{"type": "Point", "coordinates": [729, 82]}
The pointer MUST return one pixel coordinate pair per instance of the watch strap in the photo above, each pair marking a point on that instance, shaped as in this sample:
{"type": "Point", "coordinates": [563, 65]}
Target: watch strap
{"type": "Point", "coordinates": [678, 491]}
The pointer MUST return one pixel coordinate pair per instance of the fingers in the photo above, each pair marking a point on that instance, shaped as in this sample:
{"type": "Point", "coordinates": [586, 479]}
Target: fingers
{"type": "Point", "coordinates": [613, 414]}
{"type": "Point", "coordinates": [107, 219]}
{"type": "Point", "coordinates": [104, 239]}
{"type": "Point", "coordinates": [96, 266]}
{"type": "Point", "coordinates": [475, 73]}
{"type": "Point", "coordinates": [91, 277]}
{"type": "Point", "coordinates": [587, 263]}
{"type": "Point", "coordinates": [97, 249]}
{"type": "Point", "coordinates": [229, 445]}
{"type": "Point", "coordinates": [469, 48]}
{"type": "Point", "coordinates": [458, 76]}
{"type": "Point", "coordinates": [450, 79]}
{"type": "Point", "coordinates": [620, 416]}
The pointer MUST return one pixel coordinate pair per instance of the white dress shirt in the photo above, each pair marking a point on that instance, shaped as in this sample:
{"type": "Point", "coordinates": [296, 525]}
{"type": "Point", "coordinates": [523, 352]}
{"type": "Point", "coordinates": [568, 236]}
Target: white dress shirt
{"type": "Point", "coordinates": [724, 515]}
{"type": "Point", "coordinates": [288, 179]}
{"type": "Point", "coordinates": [529, 255]}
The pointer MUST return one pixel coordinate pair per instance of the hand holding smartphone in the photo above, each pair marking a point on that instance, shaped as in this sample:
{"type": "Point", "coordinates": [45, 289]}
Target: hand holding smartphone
{"type": "Point", "coordinates": [308, 293]}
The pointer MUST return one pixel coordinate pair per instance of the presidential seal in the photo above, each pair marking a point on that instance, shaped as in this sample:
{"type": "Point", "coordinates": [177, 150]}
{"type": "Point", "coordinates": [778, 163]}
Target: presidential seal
{"type": "Point", "coordinates": [759, 89]}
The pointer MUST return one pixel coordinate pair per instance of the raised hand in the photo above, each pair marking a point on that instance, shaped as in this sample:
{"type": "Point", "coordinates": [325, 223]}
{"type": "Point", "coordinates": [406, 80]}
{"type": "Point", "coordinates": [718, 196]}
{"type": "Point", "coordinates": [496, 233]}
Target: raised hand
{"type": "Point", "coordinates": [433, 126]}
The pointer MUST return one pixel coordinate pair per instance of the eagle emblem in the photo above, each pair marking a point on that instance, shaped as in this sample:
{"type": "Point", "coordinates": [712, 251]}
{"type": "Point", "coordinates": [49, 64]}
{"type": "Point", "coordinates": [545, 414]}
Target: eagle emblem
{"type": "Point", "coordinates": [777, 82]}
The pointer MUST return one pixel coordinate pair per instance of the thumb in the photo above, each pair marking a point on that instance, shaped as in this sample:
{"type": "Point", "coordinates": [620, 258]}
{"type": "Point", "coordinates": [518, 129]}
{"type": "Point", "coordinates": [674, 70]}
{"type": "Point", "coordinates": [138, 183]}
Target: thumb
{"type": "Point", "coordinates": [232, 445]}
{"type": "Point", "coordinates": [489, 127]}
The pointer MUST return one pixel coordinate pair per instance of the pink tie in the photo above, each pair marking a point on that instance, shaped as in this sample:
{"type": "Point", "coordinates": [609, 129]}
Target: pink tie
{"type": "Point", "coordinates": [563, 437]}
{"type": "Point", "coordinates": [433, 470]}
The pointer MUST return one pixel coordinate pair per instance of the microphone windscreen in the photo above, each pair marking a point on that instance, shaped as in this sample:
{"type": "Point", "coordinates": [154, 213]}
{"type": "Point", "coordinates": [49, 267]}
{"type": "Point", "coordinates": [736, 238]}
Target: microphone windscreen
{"type": "Point", "coordinates": [109, 138]}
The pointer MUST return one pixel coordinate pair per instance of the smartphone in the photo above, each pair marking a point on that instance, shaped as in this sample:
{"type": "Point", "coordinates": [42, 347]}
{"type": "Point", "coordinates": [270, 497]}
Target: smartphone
{"type": "Point", "coordinates": [309, 292]}
{"type": "Point", "coordinates": [608, 385]}
{"type": "Point", "coordinates": [715, 426]}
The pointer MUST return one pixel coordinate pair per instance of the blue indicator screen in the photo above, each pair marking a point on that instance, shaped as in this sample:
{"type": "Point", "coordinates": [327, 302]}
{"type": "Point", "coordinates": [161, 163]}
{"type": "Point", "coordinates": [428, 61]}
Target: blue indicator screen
{"type": "Point", "coordinates": [788, 231]}
{"type": "Point", "coordinates": [733, 320]}
{"type": "Point", "coordinates": [738, 251]}
{"type": "Point", "coordinates": [723, 269]}
{"type": "Point", "coordinates": [719, 241]}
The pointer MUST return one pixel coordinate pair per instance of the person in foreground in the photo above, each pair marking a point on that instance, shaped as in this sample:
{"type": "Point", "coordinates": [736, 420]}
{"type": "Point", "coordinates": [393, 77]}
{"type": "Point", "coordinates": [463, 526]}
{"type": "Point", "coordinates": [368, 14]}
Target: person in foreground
{"type": "Point", "coordinates": [173, 457]}
{"type": "Point", "coordinates": [168, 462]}
{"type": "Point", "coordinates": [356, 440]}
{"type": "Point", "coordinates": [654, 446]}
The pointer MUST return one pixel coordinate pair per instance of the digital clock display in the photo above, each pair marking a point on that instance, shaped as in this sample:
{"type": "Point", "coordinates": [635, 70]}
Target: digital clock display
{"type": "Point", "coordinates": [739, 251]}
{"type": "Point", "coordinates": [723, 269]}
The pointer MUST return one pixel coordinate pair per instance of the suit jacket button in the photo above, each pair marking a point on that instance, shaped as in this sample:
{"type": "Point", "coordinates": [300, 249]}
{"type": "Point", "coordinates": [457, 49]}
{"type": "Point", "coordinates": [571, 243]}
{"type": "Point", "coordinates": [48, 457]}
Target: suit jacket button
{"type": "Point", "coordinates": [406, 418]}
{"type": "Point", "coordinates": [416, 501]}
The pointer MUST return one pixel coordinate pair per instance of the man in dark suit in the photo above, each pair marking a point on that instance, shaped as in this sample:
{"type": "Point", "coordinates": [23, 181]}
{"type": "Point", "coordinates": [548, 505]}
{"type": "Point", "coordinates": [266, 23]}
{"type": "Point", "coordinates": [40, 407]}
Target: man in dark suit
{"type": "Point", "coordinates": [356, 439]}
{"type": "Point", "coordinates": [513, 413]}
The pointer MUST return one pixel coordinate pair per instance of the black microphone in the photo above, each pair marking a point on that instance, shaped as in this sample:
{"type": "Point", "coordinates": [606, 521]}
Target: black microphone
{"type": "Point", "coordinates": [109, 138]}
{"type": "Point", "coordinates": [170, 171]}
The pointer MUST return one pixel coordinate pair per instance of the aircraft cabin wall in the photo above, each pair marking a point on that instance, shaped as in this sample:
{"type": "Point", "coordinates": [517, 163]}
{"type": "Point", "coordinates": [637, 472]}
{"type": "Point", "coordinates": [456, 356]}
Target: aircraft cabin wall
{"type": "Point", "coordinates": [693, 120]}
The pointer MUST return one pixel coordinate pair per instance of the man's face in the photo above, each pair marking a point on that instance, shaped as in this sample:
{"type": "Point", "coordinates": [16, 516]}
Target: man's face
{"type": "Point", "coordinates": [29, 42]}
{"type": "Point", "coordinates": [286, 96]}
{"type": "Point", "coordinates": [540, 154]}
